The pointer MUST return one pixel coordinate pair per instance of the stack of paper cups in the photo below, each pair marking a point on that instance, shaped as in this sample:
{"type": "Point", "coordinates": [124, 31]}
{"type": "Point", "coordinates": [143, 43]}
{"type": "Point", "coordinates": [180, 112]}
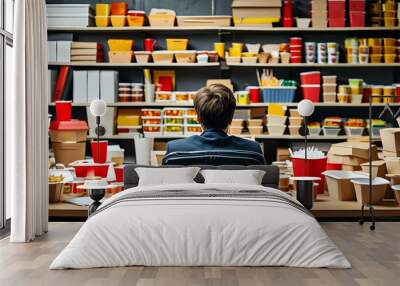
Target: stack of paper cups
{"type": "Point", "coordinates": [321, 53]}
{"type": "Point", "coordinates": [310, 52]}
{"type": "Point", "coordinates": [143, 148]}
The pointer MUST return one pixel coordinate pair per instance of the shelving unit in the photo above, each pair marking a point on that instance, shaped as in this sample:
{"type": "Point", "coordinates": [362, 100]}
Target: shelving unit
{"type": "Point", "coordinates": [194, 75]}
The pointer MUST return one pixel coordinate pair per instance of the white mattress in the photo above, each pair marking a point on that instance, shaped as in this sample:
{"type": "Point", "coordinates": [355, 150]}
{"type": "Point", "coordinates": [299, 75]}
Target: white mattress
{"type": "Point", "coordinates": [200, 231]}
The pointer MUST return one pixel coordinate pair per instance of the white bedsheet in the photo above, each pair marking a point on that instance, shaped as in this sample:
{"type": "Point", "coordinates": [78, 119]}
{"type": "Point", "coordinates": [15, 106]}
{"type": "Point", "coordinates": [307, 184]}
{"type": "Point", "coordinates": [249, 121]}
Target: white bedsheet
{"type": "Point", "coordinates": [200, 231]}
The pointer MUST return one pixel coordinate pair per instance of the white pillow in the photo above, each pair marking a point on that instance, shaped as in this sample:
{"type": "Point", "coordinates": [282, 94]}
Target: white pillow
{"type": "Point", "coordinates": [246, 177]}
{"type": "Point", "coordinates": [166, 176]}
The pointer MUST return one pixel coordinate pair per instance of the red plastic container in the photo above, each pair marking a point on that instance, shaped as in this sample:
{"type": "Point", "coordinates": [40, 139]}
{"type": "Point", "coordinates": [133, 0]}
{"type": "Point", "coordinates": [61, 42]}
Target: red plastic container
{"type": "Point", "coordinates": [296, 60]}
{"type": "Point", "coordinates": [254, 94]}
{"type": "Point", "coordinates": [357, 19]}
{"type": "Point", "coordinates": [87, 170]}
{"type": "Point", "coordinates": [398, 92]}
{"type": "Point", "coordinates": [357, 5]}
{"type": "Point", "coordinates": [313, 77]}
{"type": "Point", "coordinates": [296, 41]}
{"type": "Point", "coordinates": [63, 110]}
{"type": "Point", "coordinates": [336, 22]}
{"type": "Point", "coordinates": [310, 168]}
{"type": "Point", "coordinates": [119, 174]}
{"type": "Point", "coordinates": [99, 151]}
{"type": "Point", "coordinates": [119, 8]}
{"type": "Point", "coordinates": [311, 92]}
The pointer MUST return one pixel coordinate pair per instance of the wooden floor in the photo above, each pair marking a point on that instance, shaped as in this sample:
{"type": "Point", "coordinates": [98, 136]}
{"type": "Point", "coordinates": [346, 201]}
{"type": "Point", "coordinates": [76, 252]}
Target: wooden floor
{"type": "Point", "coordinates": [375, 257]}
{"type": "Point", "coordinates": [323, 207]}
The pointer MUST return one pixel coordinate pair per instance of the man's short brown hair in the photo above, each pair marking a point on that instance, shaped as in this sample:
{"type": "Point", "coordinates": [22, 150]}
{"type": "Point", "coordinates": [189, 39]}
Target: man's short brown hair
{"type": "Point", "coordinates": [215, 106]}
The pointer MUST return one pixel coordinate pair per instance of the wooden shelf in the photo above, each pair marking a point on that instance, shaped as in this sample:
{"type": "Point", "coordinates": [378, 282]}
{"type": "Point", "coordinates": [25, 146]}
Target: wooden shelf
{"type": "Point", "coordinates": [305, 65]}
{"type": "Point", "coordinates": [212, 28]}
{"type": "Point", "coordinates": [252, 105]}
{"type": "Point", "coordinates": [133, 64]}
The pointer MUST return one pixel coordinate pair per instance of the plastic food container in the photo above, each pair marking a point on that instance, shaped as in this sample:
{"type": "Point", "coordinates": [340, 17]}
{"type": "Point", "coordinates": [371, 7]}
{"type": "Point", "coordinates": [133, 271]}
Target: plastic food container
{"type": "Point", "coordinates": [255, 122]}
{"type": "Point", "coordinates": [185, 56]}
{"type": "Point", "coordinates": [255, 130]}
{"type": "Point", "coordinates": [177, 44]}
{"type": "Point", "coordinates": [173, 129]}
{"type": "Point", "coordinates": [164, 96]}
{"type": "Point", "coordinates": [120, 45]}
{"type": "Point", "coordinates": [276, 129]}
{"type": "Point", "coordinates": [151, 120]}
{"type": "Point", "coordinates": [119, 8]}
{"type": "Point", "coordinates": [249, 60]}
{"type": "Point", "coordinates": [142, 57]}
{"type": "Point", "coordinates": [136, 18]}
{"type": "Point", "coordinates": [390, 58]}
{"type": "Point", "coordinates": [103, 9]}
{"type": "Point", "coordinates": [181, 96]}
{"type": "Point", "coordinates": [276, 120]}
{"type": "Point", "coordinates": [191, 120]}
{"type": "Point", "coordinates": [356, 98]}
{"type": "Point", "coordinates": [232, 60]}
{"type": "Point", "coordinates": [331, 79]}
{"type": "Point", "coordinates": [314, 131]}
{"type": "Point", "coordinates": [163, 57]}
{"type": "Point", "coordinates": [153, 129]}
{"type": "Point", "coordinates": [361, 186]}
{"type": "Point", "coordinates": [190, 113]}
{"type": "Point", "coordinates": [174, 111]}
{"type": "Point", "coordinates": [192, 129]}
{"type": "Point", "coordinates": [151, 112]}
{"type": "Point", "coordinates": [303, 22]}
{"type": "Point", "coordinates": [296, 121]}
{"type": "Point", "coordinates": [311, 92]}
{"type": "Point", "coordinates": [343, 98]}
{"type": "Point", "coordinates": [278, 94]}
{"type": "Point", "coordinates": [102, 21]}
{"type": "Point", "coordinates": [120, 57]}
{"type": "Point", "coordinates": [118, 21]}
{"type": "Point", "coordinates": [354, 131]}
{"type": "Point", "coordinates": [331, 131]}
{"type": "Point", "coordinates": [376, 58]}
{"type": "Point", "coordinates": [124, 97]}
{"type": "Point", "coordinates": [329, 88]}
{"type": "Point", "coordinates": [173, 120]}
{"type": "Point", "coordinates": [237, 122]}
{"type": "Point", "coordinates": [329, 97]}
{"type": "Point", "coordinates": [162, 17]}
{"type": "Point", "coordinates": [294, 130]}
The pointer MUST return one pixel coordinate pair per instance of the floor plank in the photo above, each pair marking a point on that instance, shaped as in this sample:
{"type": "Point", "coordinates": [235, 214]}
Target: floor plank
{"type": "Point", "coordinates": [375, 257]}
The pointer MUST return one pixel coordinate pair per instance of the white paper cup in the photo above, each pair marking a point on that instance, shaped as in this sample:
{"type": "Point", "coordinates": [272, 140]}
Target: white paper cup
{"type": "Point", "coordinates": [143, 148]}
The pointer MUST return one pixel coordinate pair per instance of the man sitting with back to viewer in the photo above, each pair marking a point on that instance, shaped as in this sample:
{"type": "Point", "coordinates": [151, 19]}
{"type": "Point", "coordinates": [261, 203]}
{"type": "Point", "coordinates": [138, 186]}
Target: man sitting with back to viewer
{"type": "Point", "coordinates": [215, 106]}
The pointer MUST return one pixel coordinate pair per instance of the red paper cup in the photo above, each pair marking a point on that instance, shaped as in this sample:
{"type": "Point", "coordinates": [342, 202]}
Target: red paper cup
{"type": "Point", "coordinates": [149, 44]}
{"type": "Point", "coordinates": [296, 60]}
{"type": "Point", "coordinates": [254, 94]}
{"type": "Point", "coordinates": [357, 19]}
{"type": "Point", "coordinates": [99, 151]}
{"type": "Point", "coordinates": [295, 41]}
{"type": "Point", "coordinates": [310, 78]}
{"type": "Point", "coordinates": [63, 110]}
{"type": "Point", "coordinates": [310, 168]}
{"type": "Point", "coordinates": [356, 5]}
{"type": "Point", "coordinates": [311, 92]}
{"type": "Point", "coordinates": [119, 174]}
{"type": "Point", "coordinates": [296, 53]}
{"type": "Point", "coordinates": [333, 166]}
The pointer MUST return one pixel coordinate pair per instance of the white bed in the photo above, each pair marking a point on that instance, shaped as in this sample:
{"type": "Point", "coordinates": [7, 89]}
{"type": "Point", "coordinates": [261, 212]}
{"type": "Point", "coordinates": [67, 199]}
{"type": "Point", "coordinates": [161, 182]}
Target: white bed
{"type": "Point", "coordinates": [267, 229]}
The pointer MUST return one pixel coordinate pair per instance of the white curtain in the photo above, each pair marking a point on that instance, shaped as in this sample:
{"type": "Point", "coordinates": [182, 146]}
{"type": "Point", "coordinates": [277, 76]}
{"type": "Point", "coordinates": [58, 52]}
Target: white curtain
{"type": "Point", "coordinates": [26, 123]}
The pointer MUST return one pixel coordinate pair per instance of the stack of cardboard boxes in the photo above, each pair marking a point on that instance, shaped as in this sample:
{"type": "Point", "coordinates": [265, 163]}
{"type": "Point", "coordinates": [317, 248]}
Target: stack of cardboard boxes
{"type": "Point", "coordinates": [86, 52]}
{"type": "Point", "coordinates": [351, 155]}
{"type": "Point", "coordinates": [319, 13]}
{"type": "Point", "coordinates": [391, 149]}
{"type": "Point", "coordinates": [256, 12]}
